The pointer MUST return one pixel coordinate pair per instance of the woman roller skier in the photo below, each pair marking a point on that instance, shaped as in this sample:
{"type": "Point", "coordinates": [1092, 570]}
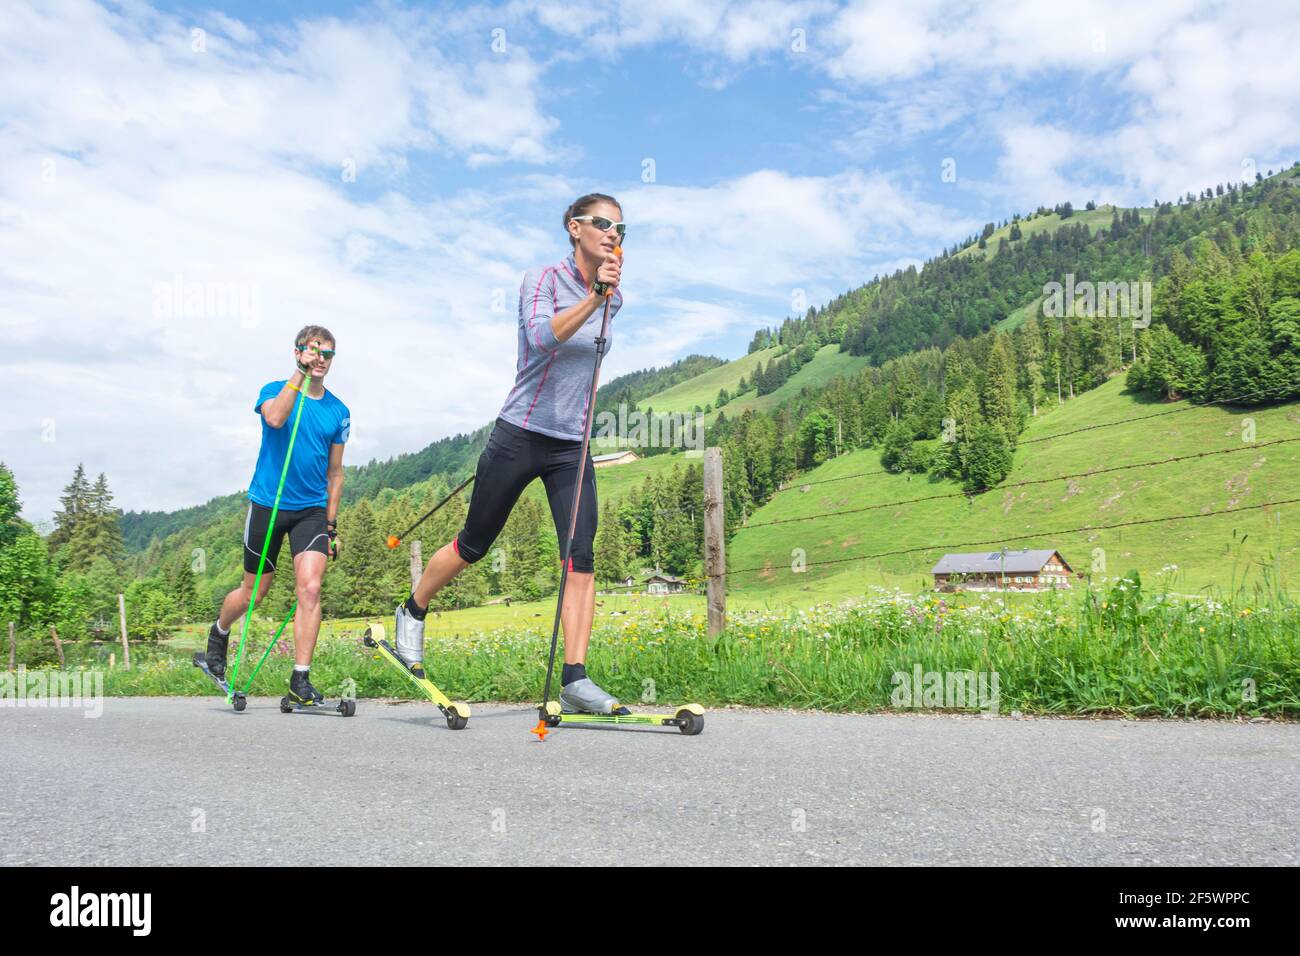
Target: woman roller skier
{"type": "Point", "coordinates": [539, 434]}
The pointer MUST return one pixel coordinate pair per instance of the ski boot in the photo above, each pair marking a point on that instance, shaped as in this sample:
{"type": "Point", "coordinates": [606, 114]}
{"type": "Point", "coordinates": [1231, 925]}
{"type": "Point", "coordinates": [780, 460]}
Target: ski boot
{"type": "Point", "coordinates": [584, 696]}
{"type": "Point", "coordinates": [301, 692]}
{"type": "Point", "coordinates": [410, 640]}
{"type": "Point", "coordinates": [216, 653]}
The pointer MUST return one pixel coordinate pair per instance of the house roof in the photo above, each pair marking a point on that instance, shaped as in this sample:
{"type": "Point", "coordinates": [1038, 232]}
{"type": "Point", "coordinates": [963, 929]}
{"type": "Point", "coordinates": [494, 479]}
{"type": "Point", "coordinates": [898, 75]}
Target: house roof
{"type": "Point", "coordinates": [612, 455]}
{"type": "Point", "coordinates": [1017, 562]}
{"type": "Point", "coordinates": [665, 577]}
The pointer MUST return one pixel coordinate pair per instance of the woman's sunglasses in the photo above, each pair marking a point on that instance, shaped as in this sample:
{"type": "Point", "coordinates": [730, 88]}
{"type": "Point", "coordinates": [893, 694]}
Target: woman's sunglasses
{"type": "Point", "coordinates": [603, 224]}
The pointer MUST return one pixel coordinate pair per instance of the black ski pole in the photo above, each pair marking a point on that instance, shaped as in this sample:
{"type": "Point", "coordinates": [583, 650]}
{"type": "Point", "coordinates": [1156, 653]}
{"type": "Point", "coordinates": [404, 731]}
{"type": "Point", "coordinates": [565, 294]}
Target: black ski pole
{"type": "Point", "coordinates": [541, 729]}
{"type": "Point", "coordinates": [396, 539]}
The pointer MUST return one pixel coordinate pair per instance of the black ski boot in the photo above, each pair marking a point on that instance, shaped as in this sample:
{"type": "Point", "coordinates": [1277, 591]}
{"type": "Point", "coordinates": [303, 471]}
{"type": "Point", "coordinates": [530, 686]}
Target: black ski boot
{"type": "Point", "coordinates": [216, 655]}
{"type": "Point", "coordinates": [301, 691]}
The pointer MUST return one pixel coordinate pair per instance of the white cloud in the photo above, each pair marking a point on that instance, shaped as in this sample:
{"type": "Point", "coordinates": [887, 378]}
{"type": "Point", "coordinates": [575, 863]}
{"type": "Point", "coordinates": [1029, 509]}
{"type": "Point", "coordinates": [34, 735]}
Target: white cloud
{"type": "Point", "coordinates": [733, 31]}
{"type": "Point", "coordinates": [769, 232]}
{"type": "Point", "coordinates": [131, 163]}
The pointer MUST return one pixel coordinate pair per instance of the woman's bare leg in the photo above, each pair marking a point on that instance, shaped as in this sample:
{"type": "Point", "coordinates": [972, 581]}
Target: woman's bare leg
{"type": "Point", "coordinates": [442, 567]}
{"type": "Point", "coordinates": [577, 614]}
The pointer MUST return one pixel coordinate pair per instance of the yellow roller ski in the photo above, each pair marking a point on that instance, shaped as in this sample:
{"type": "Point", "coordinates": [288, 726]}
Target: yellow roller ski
{"type": "Point", "coordinates": [689, 719]}
{"type": "Point", "coordinates": [457, 713]}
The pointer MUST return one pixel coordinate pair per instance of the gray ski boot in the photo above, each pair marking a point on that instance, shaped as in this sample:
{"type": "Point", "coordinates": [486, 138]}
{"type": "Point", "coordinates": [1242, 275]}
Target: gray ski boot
{"type": "Point", "coordinates": [410, 639]}
{"type": "Point", "coordinates": [584, 696]}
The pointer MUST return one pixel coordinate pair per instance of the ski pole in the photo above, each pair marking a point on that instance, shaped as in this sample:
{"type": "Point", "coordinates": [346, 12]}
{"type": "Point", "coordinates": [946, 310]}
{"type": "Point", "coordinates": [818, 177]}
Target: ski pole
{"type": "Point", "coordinates": [270, 529]}
{"type": "Point", "coordinates": [267, 653]}
{"type": "Point", "coordinates": [608, 292]}
{"type": "Point", "coordinates": [395, 539]}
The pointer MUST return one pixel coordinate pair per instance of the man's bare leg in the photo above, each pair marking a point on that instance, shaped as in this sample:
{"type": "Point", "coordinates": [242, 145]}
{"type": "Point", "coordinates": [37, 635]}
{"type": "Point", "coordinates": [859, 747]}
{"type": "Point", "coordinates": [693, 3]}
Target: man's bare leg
{"type": "Point", "coordinates": [236, 602]}
{"type": "Point", "coordinates": [232, 608]}
{"type": "Point", "coordinates": [309, 569]}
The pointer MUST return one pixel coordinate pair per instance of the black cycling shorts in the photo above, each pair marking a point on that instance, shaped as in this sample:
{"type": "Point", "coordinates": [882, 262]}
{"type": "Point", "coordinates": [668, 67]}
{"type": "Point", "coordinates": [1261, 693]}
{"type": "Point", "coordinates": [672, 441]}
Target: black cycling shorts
{"type": "Point", "coordinates": [514, 457]}
{"type": "Point", "coordinates": [306, 530]}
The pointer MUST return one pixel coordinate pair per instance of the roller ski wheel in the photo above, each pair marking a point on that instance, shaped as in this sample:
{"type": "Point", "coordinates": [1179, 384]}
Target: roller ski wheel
{"type": "Point", "coordinates": [690, 719]}
{"type": "Point", "coordinates": [348, 708]}
{"type": "Point", "coordinates": [286, 705]}
{"type": "Point", "coordinates": [457, 716]}
{"type": "Point", "coordinates": [237, 700]}
{"type": "Point", "coordinates": [553, 712]}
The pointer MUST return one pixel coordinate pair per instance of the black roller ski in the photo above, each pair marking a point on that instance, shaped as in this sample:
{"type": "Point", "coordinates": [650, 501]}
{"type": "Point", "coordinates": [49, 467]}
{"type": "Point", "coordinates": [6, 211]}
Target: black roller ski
{"type": "Point", "coordinates": [237, 699]}
{"type": "Point", "coordinates": [305, 699]}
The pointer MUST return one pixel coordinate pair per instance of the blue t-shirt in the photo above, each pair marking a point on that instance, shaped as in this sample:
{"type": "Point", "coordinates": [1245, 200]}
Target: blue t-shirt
{"type": "Point", "coordinates": [325, 421]}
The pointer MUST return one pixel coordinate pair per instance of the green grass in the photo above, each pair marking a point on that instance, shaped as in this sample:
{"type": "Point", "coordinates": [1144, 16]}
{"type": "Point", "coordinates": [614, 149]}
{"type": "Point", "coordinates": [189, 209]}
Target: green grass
{"type": "Point", "coordinates": [1018, 316]}
{"type": "Point", "coordinates": [828, 363]}
{"type": "Point", "coordinates": [1099, 218]}
{"type": "Point", "coordinates": [1220, 551]}
{"type": "Point", "coordinates": [703, 389]}
{"type": "Point", "coordinates": [1118, 650]}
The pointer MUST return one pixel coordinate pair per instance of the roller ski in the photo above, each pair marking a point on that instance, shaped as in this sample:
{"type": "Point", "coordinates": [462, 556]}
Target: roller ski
{"type": "Point", "coordinates": [583, 702]}
{"type": "Point", "coordinates": [304, 698]}
{"type": "Point", "coordinates": [213, 664]}
{"type": "Point", "coordinates": [456, 713]}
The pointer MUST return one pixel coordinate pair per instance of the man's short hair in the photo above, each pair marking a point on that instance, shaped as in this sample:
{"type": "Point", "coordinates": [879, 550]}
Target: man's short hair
{"type": "Point", "coordinates": [310, 332]}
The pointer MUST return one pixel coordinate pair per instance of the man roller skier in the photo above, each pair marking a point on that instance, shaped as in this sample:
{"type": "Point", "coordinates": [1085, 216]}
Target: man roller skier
{"type": "Point", "coordinates": [538, 434]}
{"type": "Point", "coordinates": [308, 508]}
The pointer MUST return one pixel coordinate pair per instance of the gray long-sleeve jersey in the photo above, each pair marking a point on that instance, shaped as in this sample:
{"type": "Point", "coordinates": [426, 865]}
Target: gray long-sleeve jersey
{"type": "Point", "coordinates": [553, 378]}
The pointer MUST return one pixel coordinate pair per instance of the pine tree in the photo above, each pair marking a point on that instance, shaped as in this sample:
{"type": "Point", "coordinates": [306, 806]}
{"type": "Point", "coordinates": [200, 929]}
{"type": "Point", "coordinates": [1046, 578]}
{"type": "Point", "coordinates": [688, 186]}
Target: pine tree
{"type": "Point", "coordinates": [998, 392]}
{"type": "Point", "coordinates": [98, 532]}
{"type": "Point", "coordinates": [182, 593]}
{"type": "Point", "coordinates": [986, 458]}
{"type": "Point", "coordinates": [614, 557]}
{"type": "Point", "coordinates": [75, 499]}
{"type": "Point", "coordinates": [521, 575]}
{"type": "Point", "coordinates": [363, 559]}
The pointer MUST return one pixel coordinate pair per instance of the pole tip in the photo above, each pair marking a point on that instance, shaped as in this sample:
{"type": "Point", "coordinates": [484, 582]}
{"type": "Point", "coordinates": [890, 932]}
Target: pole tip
{"type": "Point", "coordinates": [393, 541]}
{"type": "Point", "coordinates": [541, 730]}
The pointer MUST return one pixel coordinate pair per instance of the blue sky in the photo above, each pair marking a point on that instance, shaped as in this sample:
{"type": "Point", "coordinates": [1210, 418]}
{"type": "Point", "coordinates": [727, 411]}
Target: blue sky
{"type": "Point", "coordinates": [796, 147]}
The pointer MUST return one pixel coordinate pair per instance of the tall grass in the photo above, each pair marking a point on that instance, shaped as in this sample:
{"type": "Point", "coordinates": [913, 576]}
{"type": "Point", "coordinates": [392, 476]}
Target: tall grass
{"type": "Point", "coordinates": [1111, 650]}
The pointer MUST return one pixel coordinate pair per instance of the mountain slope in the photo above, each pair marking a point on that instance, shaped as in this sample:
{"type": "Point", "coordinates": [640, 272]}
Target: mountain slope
{"type": "Point", "coordinates": [1208, 550]}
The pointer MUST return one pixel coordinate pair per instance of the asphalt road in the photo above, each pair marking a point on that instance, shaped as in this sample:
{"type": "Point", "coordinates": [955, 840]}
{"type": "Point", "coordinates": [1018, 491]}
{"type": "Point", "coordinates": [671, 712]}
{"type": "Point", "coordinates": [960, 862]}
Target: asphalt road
{"type": "Point", "coordinates": [186, 780]}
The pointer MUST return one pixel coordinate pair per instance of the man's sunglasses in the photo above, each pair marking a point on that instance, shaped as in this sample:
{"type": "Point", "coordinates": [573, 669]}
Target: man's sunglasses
{"type": "Point", "coordinates": [603, 224]}
{"type": "Point", "coordinates": [326, 354]}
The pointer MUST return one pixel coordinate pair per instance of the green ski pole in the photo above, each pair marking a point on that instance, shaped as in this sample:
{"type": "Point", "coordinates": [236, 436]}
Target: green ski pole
{"type": "Point", "coordinates": [270, 529]}
{"type": "Point", "coordinates": [267, 653]}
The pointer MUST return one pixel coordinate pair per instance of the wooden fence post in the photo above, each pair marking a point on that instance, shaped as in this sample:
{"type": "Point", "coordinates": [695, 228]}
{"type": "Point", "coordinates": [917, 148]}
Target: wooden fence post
{"type": "Point", "coordinates": [417, 564]}
{"type": "Point", "coordinates": [58, 645]}
{"type": "Point", "coordinates": [715, 557]}
{"type": "Point", "coordinates": [126, 648]}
